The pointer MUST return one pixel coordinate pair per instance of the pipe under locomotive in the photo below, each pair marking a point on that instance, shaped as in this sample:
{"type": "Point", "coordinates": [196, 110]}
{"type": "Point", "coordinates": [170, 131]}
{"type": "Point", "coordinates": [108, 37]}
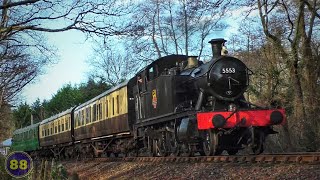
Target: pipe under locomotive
{"type": "Point", "coordinates": [176, 105]}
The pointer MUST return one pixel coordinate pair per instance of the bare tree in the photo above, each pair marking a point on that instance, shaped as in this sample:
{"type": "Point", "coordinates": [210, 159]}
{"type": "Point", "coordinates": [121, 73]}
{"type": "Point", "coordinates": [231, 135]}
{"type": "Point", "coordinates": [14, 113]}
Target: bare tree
{"type": "Point", "coordinates": [97, 17]}
{"type": "Point", "coordinates": [112, 65]}
{"type": "Point", "coordinates": [175, 27]}
{"type": "Point", "coordinates": [290, 27]}
{"type": "Point", "coordinates": [23, 52]}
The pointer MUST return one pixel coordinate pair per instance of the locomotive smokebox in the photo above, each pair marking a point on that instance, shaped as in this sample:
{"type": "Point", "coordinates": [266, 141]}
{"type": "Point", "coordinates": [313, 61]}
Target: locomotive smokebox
{"type": "Point", "coordinates": [216, 45]}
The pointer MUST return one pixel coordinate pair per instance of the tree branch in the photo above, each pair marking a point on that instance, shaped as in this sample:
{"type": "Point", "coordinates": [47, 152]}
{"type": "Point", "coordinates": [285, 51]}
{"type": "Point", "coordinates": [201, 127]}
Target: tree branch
{"type": "Point", "coordinates": [13, 4]}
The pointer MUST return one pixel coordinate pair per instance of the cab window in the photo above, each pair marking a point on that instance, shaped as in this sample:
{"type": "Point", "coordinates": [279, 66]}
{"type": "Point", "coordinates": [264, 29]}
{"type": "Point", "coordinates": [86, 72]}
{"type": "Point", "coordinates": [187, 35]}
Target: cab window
{"type": "Point", "coordinates": [142, 82]}
{"type": "Point", "coordinates": [152, 73]}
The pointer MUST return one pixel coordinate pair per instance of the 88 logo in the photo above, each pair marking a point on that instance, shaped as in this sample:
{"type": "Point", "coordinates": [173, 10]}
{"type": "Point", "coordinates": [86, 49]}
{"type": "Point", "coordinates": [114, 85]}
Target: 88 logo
{"type": "Point", "coordinates": [18, 164]}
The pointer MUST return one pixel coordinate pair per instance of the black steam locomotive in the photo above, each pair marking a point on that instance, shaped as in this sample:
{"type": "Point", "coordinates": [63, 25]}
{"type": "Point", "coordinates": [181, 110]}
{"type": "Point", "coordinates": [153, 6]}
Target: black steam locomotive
{"type": "Point", "coordinates": [176, 105]}
{"type": "Point", "coordinates": [185, 106]}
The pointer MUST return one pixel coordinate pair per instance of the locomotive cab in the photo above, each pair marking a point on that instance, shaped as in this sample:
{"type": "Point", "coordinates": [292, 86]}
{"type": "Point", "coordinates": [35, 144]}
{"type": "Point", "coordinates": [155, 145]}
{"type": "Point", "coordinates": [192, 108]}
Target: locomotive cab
{"type": "Point", "coordinates": [161, 88]}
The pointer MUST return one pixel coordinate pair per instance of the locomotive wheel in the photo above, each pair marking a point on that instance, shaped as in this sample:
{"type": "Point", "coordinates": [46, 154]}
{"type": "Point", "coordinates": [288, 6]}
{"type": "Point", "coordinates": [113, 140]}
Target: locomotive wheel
{"type": "Point", "coordinates": [186, 150]}
{"type": "Point", "coordinates": [210, 143]}
{"type": "Point", "coordinates": [172, 144]}
{"type": "Point", "coordinates": [258, 144]}
{"type": "Point", "coordinates": [159, 146]}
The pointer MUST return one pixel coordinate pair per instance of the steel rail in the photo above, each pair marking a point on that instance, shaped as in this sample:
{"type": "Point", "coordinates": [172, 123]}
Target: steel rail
{"type": "Point", "coordinates": [291, 158]}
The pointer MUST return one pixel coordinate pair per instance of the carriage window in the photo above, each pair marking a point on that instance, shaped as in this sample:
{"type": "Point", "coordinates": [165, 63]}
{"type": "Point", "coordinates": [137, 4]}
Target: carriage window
{"type": "Point", "coordinates": [51, 130]}
{"type": "Point", "coordinates": [100, 111]}
{"type": "Point", "coordinates": [62, 126]}
{"type": "Point", "coordinates": [87, 115]}
{"type": "Point", "coordinates": [106, 108]}
{"type": "Point", "coordinates": [78, 119]}
{"type": "Point", "coordinates": [82, 117]}
{"type": "Point", "coordinates": [59, 126]}
{"type": "Point", "coordinates": [75, 120]}
{"type": "Point", "coordinates": [118, 107]}
{"type": "Point", "coordinates": [67, 124]}
{"type": "Point", "coordinates": [110, 106]}
{"type": "Point", "coordinates": [113, 106]}
{"type": "Point", "coordinates": [94, 112]}
{"type": "Point", "coordinates": [90, 120]}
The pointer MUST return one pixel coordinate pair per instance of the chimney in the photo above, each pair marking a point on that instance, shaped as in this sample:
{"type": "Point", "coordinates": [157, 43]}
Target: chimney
{"type": "Point", "coordinates": [217, 45]}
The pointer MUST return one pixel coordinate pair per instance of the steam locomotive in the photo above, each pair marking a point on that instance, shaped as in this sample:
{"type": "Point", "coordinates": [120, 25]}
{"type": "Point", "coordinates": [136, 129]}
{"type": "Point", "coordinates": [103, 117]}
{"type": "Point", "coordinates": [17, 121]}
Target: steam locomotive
{"type": "Point", "coordinates": [176, 105]}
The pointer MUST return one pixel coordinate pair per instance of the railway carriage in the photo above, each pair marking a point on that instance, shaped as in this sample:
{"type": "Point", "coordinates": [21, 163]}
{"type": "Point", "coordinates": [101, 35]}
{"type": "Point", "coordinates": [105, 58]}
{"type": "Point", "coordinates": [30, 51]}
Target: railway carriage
{"type": "Point", "coordinates": [101, 122]}
{"type": "Point", "coordinates": [26, 139]}
{"type": "Point", "coordinates": [55, 133]}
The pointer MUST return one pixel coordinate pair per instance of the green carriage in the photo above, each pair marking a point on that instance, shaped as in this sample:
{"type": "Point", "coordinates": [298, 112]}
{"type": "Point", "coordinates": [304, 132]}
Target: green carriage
{"type": "Point", "coordinates": [26, 139]}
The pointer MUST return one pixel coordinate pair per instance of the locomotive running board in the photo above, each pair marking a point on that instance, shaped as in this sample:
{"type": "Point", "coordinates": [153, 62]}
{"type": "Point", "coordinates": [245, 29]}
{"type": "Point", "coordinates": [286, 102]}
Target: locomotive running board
{"type": "Point", "coordinates": [163, 118]}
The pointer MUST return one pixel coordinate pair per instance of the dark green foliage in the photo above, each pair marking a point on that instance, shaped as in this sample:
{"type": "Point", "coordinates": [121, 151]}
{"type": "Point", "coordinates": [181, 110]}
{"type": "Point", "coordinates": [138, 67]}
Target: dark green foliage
{"type": "Point", "coordinates": [92, 89]}
{"type": "Point", "coordinates": [38, 110]}
{"type": "Point", "coordinates": [59, 172]}
{"type": "Point", "coordinates": [66, 97]}
{"type": "Point", "coordinates": [22, 115]}
{"type": "Point", "coordinates": [3, 172]}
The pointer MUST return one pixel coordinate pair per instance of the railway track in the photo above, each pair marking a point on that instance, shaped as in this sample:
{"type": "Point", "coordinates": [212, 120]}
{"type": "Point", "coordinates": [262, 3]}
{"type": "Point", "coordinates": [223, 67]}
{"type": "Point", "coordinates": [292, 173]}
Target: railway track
{"type": "Point", "coordinates": [290, 158]}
